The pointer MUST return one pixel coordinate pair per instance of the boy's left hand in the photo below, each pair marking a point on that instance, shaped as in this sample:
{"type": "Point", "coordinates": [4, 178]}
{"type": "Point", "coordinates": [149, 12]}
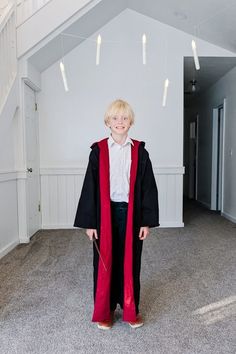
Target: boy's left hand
{"type": "Point", "coordinates": [144, 231]}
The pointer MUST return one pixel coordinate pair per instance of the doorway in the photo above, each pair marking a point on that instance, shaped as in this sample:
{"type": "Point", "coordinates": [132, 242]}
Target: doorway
{"type": "Point", "coordinates": [193, 159]}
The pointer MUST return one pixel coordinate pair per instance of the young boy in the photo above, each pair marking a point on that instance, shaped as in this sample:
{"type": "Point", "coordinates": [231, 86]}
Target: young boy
{"type": "Point", "coordinates": [117, 206]}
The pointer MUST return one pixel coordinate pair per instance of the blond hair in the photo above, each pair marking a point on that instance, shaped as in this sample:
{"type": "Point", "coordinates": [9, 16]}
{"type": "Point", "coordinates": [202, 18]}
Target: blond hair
{"type": "Point", "coordinates": [119, 107]}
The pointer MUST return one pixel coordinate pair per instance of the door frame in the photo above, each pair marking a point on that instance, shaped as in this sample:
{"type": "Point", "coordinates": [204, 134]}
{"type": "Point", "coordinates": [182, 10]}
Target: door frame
{"type": "Point", "coordinates": [196, 156]}
{"type": "Point", "coordinates": [215, 131]}
{"type": "Point", "coordinates": [32, 87]}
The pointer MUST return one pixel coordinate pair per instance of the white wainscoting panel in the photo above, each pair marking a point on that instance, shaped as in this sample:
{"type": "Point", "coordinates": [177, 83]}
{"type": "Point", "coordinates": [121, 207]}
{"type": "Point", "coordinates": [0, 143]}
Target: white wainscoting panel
{"type": "Point", "coordinates": [61, 188]}
{"type": "Point", "coordinates": [170, 193]}
{"type": "Point", "coordinates": [8, 212]}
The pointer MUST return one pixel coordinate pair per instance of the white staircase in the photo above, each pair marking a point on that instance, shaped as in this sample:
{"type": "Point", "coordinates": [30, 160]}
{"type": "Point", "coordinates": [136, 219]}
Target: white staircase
{"type": "Point", "coordinates": [31, 14]}
{"type": "Point", "coordinates": [27, 8]}
{"type": "Point", "coordinates": [19, 19]}
{"type": "Point", "coordinates": [8, 61]}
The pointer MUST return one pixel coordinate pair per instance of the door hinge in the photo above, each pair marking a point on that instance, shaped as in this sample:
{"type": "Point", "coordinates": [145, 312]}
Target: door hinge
{"type": "Point", "coordinates": [39, 207]}
{"type": "Point", "coordinates": [36, 106]}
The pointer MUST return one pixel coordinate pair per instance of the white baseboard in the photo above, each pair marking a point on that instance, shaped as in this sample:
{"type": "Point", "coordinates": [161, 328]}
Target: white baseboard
{"type": "Point", "coordinates": [8, 248]}
{"type": "Point", "coordinates": [24, 240]}
{"type": "Point", "coordinates": [229, 217]}
{"type": "Point", "coordinates": [171, 224]}
{"type": "Point", "coordinates": [57, 227]}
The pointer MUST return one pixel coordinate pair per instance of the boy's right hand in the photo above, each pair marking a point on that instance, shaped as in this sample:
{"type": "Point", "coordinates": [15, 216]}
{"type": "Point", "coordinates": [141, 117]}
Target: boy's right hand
{"type": "Point", "coordinates": [92, 232]}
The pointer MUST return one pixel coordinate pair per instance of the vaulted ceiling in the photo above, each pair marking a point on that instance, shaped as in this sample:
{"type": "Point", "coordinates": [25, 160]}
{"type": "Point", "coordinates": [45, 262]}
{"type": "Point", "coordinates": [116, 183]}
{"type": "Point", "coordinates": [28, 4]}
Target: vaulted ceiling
{"type": "Point", "coordinates": [210, 20]}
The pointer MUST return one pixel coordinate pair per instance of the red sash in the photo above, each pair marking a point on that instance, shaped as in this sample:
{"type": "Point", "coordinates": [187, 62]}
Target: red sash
{"type": "Point", "coordinates": [102, 296]}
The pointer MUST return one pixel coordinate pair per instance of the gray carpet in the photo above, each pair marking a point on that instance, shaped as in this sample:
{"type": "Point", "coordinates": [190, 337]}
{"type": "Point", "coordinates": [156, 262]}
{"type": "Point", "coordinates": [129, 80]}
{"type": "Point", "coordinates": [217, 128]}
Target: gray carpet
{"type": "Point", "coordinates": [188, 294]}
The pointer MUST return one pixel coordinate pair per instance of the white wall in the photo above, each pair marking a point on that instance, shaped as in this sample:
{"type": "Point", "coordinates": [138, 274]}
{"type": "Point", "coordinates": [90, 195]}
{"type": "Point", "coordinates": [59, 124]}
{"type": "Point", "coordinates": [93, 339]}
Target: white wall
{"type": "Point", "coordinates": [7, 130]}
{"type": "Point", "coordinates": [70, 122]}
{"type": "Point", "coordinates": [13, 228]}
{"type": "Point", "coordinates": [212, 98]}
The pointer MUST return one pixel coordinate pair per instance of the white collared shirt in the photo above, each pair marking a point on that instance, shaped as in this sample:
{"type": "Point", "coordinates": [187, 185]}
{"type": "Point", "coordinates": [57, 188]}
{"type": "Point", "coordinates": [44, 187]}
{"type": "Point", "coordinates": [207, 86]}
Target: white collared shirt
{"type": "Point", "coordinates": [120, 162]}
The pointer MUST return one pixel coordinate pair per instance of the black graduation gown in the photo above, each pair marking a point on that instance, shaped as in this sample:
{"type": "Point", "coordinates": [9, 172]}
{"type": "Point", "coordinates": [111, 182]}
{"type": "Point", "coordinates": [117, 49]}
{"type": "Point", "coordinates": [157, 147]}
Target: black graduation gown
{"type": "Point", "coordinates": [146, 211]}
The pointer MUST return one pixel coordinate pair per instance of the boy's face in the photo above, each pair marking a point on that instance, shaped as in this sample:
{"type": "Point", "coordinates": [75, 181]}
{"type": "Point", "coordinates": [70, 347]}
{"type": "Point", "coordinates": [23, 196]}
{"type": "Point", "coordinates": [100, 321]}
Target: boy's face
{"type": "Point", "coordinates": [119, 124]}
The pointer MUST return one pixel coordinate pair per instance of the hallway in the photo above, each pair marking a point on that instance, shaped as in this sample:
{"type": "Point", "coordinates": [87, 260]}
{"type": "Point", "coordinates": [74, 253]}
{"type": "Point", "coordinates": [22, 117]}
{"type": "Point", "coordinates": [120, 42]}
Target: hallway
{"type": "Point", "coordinates": [188, 292]}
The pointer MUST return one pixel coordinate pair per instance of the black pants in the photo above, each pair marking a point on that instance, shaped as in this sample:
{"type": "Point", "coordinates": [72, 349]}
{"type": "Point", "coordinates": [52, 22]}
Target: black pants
{"type": "Point", "coordinates": [119, 219]}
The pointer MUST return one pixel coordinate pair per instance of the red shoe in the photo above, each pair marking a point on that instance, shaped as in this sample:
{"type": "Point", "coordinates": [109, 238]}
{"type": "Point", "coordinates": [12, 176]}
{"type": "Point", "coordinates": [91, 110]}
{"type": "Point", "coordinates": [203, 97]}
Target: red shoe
{"type": "Point", "coordinates": [107, 324]}
{"type": "Point", "coordinates": [137, 323]}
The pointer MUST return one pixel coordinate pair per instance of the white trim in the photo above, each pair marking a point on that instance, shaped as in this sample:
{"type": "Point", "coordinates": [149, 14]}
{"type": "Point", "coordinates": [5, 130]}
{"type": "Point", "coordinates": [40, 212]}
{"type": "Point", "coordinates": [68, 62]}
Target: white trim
{"type": "Point", "coordinates": [214, 158]}
{"type": "Point", "coordinates": [223, 155]}
{"type": "Point", "coordinates": [171, 224]}
{"type": "Point", "coordinates": [47, 171]}
{"type": "Point", "coordinates": [229, 216]}
{"type": "Point", "coordinates": [32, 85]}
{"type": "Point", "coordinates": [25, 240]}
{"type": "Point", "coordinates": [57, 227]}
{"type": "Point", "coordinates": [6, 176]}
{"type": "Point", "coordinates": [5, 250]}
{"type": "Point", "coordinates": [22, 213]}
{"type": "Point", "coordinates": [169, 170]}
{"type": "Point", "coordinates": [21, 174]}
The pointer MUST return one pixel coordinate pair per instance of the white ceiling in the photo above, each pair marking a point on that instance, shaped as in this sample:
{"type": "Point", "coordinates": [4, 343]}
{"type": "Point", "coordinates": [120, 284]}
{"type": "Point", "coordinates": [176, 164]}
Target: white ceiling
{"type": "Point", "coordinates": [210, 20]}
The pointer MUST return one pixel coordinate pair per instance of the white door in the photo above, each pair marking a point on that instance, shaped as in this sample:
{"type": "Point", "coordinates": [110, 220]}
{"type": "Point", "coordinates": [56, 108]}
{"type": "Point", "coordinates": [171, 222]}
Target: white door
{"type": "Point", "coordinates": [32, 158]}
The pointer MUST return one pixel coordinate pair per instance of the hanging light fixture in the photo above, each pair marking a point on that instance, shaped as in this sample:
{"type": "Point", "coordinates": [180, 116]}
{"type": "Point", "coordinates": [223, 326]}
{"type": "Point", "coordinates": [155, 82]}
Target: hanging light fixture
{"type": "Point", "coordinates": [99, 41]}
{"type": "Point", "coordinates": [144, 41]}
{"type": "Point", "coordinates": [195, 56]}
{"type": "Point", "coordinates": [63, 73]}
{"type": "Point", "coordinates": [62, 67]}
{"type": "Point", "coordinates": [193, 87]}
{"type": "Point", "coordinates": [166, 85]}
